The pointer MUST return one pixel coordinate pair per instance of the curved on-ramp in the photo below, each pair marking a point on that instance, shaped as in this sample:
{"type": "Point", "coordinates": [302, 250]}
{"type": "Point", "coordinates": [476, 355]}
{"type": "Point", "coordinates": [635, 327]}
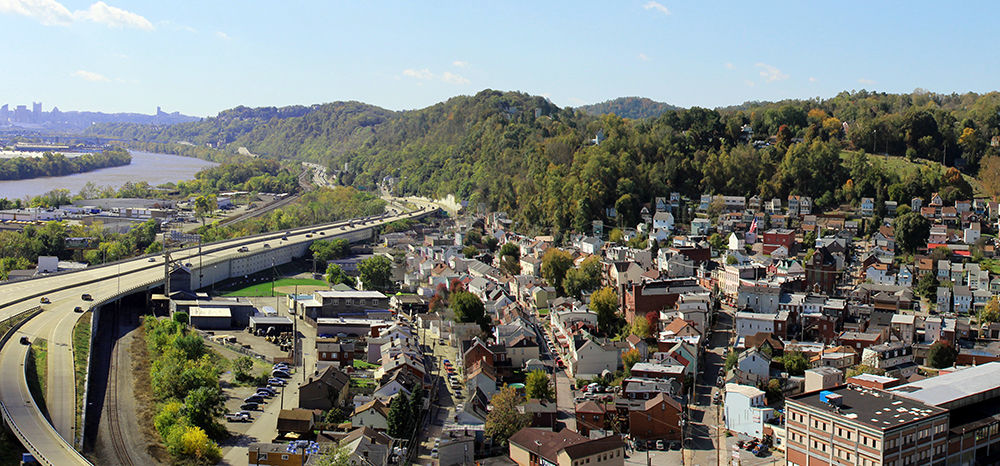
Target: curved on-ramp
{"type": "Point", "coordinates": [52, 443]}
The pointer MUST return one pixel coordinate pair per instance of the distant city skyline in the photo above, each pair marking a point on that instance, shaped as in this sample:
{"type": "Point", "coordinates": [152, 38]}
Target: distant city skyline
{"type": "Point", "coordinates": [201, 58]}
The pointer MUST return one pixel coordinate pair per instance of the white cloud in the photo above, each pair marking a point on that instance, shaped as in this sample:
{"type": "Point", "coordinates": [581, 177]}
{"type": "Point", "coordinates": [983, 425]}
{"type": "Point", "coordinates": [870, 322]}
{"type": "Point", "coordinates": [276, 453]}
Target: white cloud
{"type": "Point", "coordinates": [90, 76]}
{"type": "Point", "coordinates": [651, 5]}
{"type": "Point", "coordinates": [812, 79]}
{"type": "Point", "coordinates": [749, 83]}
{"type": "Point", "coordinates": [47, 12]}
{"type": "Point", "coordinates": [770, 73]}
{"type": "Point", "coordinates": [866, 81]}
{"type": "Point", "coordinates": [730, 66]}
{"type": "Point", "coordinates": [460, 63]}
{"type": "Point", "coordinates": [643, 57]}
{"type": "Point", "coordinates": [453, 78]}
{"type": "Point", "coordinates": [53, 13]}
{"type": "Point", "coordinates": [418, 74]}
{"type": "Point", "coordinates": [103, 13]}
{"type": "Point", "coordinates": [424, 74]}
{"type": "Point", "coordinates": [222, 35]}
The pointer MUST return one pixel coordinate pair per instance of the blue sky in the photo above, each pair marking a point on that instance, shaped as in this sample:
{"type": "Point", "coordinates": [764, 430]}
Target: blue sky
{"type": "Point", "coordinates": [202, 57]}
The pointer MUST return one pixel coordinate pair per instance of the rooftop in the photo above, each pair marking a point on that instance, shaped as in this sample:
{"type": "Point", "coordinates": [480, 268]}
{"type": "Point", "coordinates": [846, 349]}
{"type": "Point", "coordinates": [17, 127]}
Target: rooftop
{"type": "Point", "coordinates": [349, 294]}
{"type": "Point", "coordinates": [956, 389]}
{"type": "Point", "coordinates": [875, 408]}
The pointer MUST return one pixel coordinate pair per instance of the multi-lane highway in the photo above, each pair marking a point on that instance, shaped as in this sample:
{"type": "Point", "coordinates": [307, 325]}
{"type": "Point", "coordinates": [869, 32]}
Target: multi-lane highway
{"type": "Point", "coordinates": [53, 443]}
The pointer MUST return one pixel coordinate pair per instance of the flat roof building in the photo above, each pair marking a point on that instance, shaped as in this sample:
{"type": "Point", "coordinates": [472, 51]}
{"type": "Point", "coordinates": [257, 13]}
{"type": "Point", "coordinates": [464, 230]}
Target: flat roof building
{"type": "Point", "coordinates": [864, 426]}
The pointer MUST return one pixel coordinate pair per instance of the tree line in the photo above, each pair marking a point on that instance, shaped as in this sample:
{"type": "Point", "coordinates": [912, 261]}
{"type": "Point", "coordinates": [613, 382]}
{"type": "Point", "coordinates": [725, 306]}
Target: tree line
{"type": "Point", "coordinates": [508, 151]}
{"type": "Point", "coordinates": [58, 164]}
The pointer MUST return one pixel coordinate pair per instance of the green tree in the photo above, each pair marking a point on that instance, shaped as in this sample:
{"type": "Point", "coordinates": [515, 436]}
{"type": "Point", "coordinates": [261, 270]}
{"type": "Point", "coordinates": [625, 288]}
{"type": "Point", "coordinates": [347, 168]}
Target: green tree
{"type": "Point", "coordinates": [555, 263]}
{"type": "Point", "coordinates": [469, 252]}
{"type": "Point", "coordinates": [718, 242]}
{"type": "Point", "coordinates": [399, 417]}
{"type": "Point", "coordinates": [583, 278]}
{"type": "Point", "coordinates": [991, 312]}
{"type": "Point", "coordinates": [336, 456]}
{"type": "Point", "coordinates": [641, 327]}
{"type": "Point", "coordinates": [181, 317]}
{"type": "Point", "coordinates": [604, 302]}
{"type": "Point", "coordinates": [772, 391]}
{"type": "Point", "coordinates": [630, 358]}
{"type": "Point", "coordinates": [504, 419]}
{"type": "Point", "coordinates": [335, 274]}
{"type": "Point", "coordinates": [538, 386]}
{"type": "Point", "coordinates": [941, 355]}
{"type": "Point", "coordinates": [795, 362]}
{"type": "Point", "coordinates": [204, 206]}
{"type": "Point", "coordinates": [376, 273]}
{"type": "Point", "coordinates": [468, 308]}
{"type": "Point", "coordinates": [732, 357]}
{"type": "Point", "coordinates": [203, 405]}
{"type": "Point", "coordinates": [327, 250]}
{"type": "Point", "coordinates": [242, 368]}
{"type": "Point", "coordinates": [195, 446]}
{"type": "Point", "coordinates": [616, 236]}
{"type": "Point", "coordinates": [510, 259]}
{"type": "Point", "coordinates": [864, 369]}
{"type": "Point", "coordinates": [927, 286]}
{"type": "Point", "coordinates": [912, 231]}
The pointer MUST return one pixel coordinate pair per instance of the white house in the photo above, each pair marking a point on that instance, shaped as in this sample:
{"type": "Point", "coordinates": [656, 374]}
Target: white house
{"type": "Point", "coordinates": [663, 221]}
{"type": "Point", "coordinates": [752, 323]}
{"type": "Point", "coordinates": [593, 357]}
{"type": "Point", "coordinates": [746, 410]}
{"type": "Point", "coordinates": [753, 366]}
{"type": "Point", "coordinates": [867, 206]}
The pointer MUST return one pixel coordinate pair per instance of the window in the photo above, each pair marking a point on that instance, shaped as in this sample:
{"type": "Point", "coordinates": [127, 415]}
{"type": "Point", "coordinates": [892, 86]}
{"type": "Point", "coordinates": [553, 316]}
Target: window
{"type": "Point", "coordinates": [261, 456]}
{"type": "Point", "coordinates": [284, 457]}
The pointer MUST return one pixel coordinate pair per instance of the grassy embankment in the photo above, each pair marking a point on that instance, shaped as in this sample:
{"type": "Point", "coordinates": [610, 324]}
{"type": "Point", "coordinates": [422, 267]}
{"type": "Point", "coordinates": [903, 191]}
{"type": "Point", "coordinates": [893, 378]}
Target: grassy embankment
{"type": "Point", "coordinates": [37, 370]}
{"type": "Point", "coordinates": [81, 353]}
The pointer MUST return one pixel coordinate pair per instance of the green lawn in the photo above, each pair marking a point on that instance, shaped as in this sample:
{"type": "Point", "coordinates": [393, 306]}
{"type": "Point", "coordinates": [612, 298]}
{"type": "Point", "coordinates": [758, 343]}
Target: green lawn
{"type": "Point", "coordinates": [903, 167]}
{"type": "Point", "coordinates": [264, 288]}
{"type": "Point", "coordinates": [359, 364]}
{"type": "Point", "coordinates": [359, 382]}
{"type": "Point", "coordinates": [993, 265]}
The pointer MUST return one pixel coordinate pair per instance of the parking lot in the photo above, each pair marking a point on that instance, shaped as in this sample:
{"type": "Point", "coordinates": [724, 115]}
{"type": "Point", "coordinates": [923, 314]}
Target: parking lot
{"type": "Point", "coordinates": [747, 458]}
{"type": "Point", "coordinates": [654, 457]}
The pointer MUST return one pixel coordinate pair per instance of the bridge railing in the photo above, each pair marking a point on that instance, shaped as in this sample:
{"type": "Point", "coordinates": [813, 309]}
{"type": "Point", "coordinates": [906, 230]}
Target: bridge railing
{"type": "Point", "coordinates": [230, 243]}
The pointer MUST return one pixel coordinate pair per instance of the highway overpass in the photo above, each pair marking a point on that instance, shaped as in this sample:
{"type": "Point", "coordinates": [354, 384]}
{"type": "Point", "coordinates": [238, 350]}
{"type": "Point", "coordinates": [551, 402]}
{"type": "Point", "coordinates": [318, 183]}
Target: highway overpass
{"type": "Point", "coordinates": [54, 443]}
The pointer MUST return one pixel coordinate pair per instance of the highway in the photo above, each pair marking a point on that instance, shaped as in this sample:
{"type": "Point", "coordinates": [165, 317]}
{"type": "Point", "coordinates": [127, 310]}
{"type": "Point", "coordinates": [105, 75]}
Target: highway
{"type": "Point", "coordinates": [53, 444]}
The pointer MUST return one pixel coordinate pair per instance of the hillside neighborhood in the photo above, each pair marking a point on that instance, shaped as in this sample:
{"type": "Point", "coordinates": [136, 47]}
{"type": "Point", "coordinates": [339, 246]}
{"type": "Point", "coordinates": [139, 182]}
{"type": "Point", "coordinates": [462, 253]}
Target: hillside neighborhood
{"type": "Point", "coordinates": [755, 332]}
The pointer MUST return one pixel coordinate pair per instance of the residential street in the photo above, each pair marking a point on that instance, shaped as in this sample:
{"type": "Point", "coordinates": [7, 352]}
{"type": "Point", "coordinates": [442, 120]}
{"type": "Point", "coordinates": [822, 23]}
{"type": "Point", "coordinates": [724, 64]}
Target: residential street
{"type": "Point", "coordinates": [706, 418]}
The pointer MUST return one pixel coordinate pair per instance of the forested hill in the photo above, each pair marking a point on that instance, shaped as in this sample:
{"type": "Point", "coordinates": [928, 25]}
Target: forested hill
{"type": "Point", "coordinates": [629, 107]}
{"type": "Point", "coordinates": [522, 154]}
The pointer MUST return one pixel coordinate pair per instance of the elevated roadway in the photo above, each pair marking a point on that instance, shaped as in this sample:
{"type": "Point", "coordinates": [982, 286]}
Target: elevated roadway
{"type": "Point", "coordinates": [54, 443]}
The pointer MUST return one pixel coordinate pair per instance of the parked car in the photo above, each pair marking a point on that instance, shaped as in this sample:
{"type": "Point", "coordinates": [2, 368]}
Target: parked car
{"type": "Point", "coordinates": [243, 249]}
{"type": "Point", "coordinates": [276, 381]}
{"type": "Point", "coordinates": [269, 390]}
{"type": "Point", "coordinates": [238, 417]}
{"type": "Point", "coordinates": [280, 374]}
{"type": "Point", "coordinates": [264, 393]}
{"type": "Point", "coordinates": [267, 246]}
{"type": "Point", "coordinates": [254, 399]}
{"type": "Point", "coordinates": [250, 406]}
{"type": "Point", "coordinates": [78, 309]}
{"type": "Point", "coordinates": [25, 340]}
{"type": "Point", "coordinates": [151, 259]}
{"type": "Point", "coordinates": [86, 297]}
{"type": "Point", "coordinates": [44, 300]}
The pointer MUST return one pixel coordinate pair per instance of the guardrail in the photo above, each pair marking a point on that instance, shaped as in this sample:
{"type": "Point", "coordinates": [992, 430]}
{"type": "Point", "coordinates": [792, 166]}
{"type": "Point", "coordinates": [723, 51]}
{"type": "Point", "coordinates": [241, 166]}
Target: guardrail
{"type": "Point", "coordinates": [8, 419]}
{"type": "Point", "coordinates": [191, 252]}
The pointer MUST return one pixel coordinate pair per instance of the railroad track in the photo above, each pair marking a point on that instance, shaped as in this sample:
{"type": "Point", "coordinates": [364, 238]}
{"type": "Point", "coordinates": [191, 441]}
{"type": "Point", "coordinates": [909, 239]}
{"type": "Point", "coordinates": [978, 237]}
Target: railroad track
{"type": "Point", "coordinates": [121, 450]}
